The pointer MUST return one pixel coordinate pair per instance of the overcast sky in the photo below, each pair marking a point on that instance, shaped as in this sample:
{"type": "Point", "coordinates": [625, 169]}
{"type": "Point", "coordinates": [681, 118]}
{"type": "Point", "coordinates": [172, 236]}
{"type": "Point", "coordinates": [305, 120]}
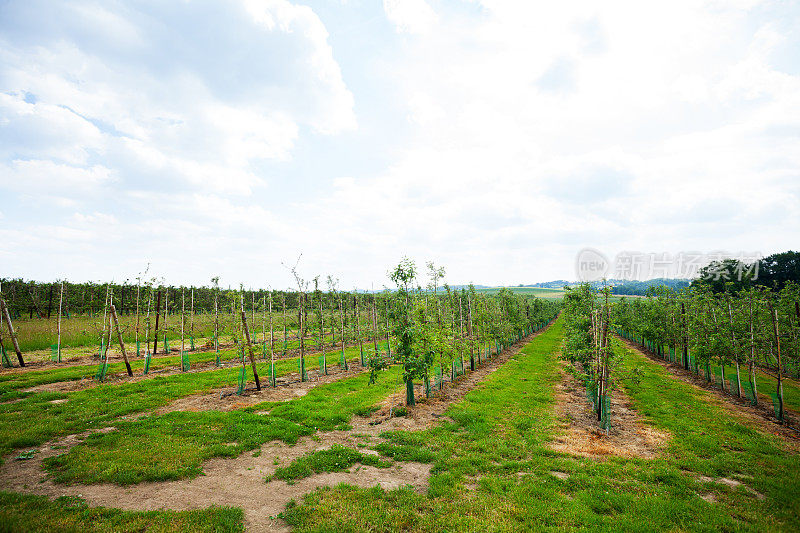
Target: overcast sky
{"type": "Point", "coordinates": [497, 138]}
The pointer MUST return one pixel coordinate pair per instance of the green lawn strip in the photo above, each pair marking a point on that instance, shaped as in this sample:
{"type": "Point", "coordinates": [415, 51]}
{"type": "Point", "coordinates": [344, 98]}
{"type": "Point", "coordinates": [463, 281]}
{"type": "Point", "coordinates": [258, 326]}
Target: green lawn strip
{"type": "Point", "coordinates": [174, 445]}
{"type": "Point", "coordinates": [337, 458]}
{"type": "Point", "coordinates": [765, 383]}
{"type": "Point", "coordinates": [11, 383]}
{"type": "Point", "coordinates": [709, 441]}
{"type": "Point", "coordinates": [20, 512]}
{"type": "Point", "coordinates": [497, 443]}
{"type": "Point", "coordinates": [34, 420]}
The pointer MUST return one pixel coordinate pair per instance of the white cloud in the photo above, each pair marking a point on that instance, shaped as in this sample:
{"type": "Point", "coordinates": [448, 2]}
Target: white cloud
{"type": "Point", "coordinates": [410, 16]}
{"type": "Point", "coordinates": [200, 91]}
{"type": "Point", "coordinates": [526, 131]}
{"type": "Point", "coordinates": [632, 142]}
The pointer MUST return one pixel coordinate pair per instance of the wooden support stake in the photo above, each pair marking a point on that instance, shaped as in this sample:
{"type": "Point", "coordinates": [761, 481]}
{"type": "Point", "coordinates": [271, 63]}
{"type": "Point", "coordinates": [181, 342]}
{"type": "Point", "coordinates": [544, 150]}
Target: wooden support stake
{"type": "Point", "coordinates": [250, 347]}
{"type": "Point", "coordinates": [119, 338]}
{"type": "Point", "coordinates": [11, 332]}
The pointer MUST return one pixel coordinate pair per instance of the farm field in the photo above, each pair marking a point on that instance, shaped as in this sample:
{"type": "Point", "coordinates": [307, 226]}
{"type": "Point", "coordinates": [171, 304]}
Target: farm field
{"type": "Point", "coordinates": [507, 447]}
{"type": "Point", "coordinates": [539, 292]}
{"type": "Point", "coordinates": [399, 266]}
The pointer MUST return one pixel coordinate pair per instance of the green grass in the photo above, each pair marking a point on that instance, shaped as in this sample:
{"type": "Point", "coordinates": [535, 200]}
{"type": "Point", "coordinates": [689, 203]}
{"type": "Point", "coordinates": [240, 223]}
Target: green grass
{"type": "Point", "coordinates": [766, 384]}
{"type": "Point", "coordinates": [37, 513]}
{"type": "Point", "coordinates": [492, 467]}
{"type": "Point", "coordinates": [35, 419]}
{"type": "Point", "coordinates": [11, 383]}
{"type": "Point", "coordinates": [35, 334]}
{"type": "Point", "coordinates": [337, 458]}
{"type": "Point", "coordinates": [174, 445]}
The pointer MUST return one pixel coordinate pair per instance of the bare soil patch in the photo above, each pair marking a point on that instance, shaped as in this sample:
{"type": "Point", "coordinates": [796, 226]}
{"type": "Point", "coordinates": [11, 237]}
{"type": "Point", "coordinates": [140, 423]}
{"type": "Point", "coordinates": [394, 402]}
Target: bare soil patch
{"type": "Point", "coordinates": [628, 436]}
{"type": "Point", "coordinates": [239, 482]}
{"type": "Point", "coordinates": [762, 415]}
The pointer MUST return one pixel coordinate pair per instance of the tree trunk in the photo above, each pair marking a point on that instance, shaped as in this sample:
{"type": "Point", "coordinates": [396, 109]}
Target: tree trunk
{"type": "Point", "coordinates": [158, 314]}
{"type": "Point", "coordinates": [735, 350]}
{"type": "Point", "coordinates": [60, 305]}
{"type": "Point", "coordinates": [324, 368]}
{"type": "Point", "coordinates": [774, 314]}
{"type": "Point", "coordinates": [341, 318]}
{"type": "Point", "coordinates": [271, 330]}
{"type": "Point", "coordinates": [374, 326]}
{"type": "Point", "coordinates": [301, 333]}
{"type": "Point", "coordinates": [752, 356]}
{"type": "Point", "coordinates": [685, 337]}
{"type": "Point", "coordinates": [183, 322]}
{"type": "Point", "coordinates": [191, 319]}
{"type": "Point", "coordinates": [358, 328]}
{"type": "Point", "coordinates": [284, 324]}
{"type": "Point", "coordinates": [138, 296]}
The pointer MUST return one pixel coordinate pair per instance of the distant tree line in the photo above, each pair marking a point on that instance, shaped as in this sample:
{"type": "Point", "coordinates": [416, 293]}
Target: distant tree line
{"type": "Point", "coordinates": [31, 299]}
{"type": "Point", "coordinates": [641, 288]}
{"type": "Point", "coordinates": [732, 275]}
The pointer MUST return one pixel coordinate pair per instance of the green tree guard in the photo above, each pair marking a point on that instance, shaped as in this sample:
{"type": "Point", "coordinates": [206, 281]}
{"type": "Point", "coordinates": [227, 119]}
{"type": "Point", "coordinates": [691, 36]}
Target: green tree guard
{"type": "Point", "coordinates": [101, 372]}
{"type": "Point", "coordinates": [6, 360]}
{"type": "Point", "coordinates": [301, 369]}
{"type": "Point", "coordinates": [242, 381]}
{"type": "Point", "coordinates": [776, 405]}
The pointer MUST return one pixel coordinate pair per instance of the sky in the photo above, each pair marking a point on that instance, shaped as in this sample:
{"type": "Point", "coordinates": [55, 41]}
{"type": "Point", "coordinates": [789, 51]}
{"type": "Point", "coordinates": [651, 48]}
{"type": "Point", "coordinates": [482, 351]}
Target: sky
{"type": "Point", "coordinates": [495, 138]}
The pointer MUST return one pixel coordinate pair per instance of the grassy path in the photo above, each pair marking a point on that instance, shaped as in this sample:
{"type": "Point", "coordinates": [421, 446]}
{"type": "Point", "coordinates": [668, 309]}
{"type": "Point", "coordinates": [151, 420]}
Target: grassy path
{"type": "Point", "coordinates": [765, 383]}
{"type": "Point", "coordinates": [493, 471]}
